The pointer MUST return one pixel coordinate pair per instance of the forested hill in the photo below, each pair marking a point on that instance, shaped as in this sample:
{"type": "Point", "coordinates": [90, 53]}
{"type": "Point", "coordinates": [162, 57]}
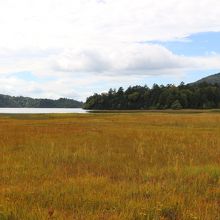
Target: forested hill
{"type": "Point", "coordinates": [213, 79]}
{"type": "Point", "coordinates": [26, 102]}
{"type": "Point", "coordinates": [193, 96]}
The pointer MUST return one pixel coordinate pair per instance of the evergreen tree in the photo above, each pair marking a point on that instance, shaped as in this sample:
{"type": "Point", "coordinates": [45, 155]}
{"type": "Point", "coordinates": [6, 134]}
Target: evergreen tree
{"type": "Point", "coordinates": [195, 96]}
{"type": "Point", "coordinates": [176, 105]}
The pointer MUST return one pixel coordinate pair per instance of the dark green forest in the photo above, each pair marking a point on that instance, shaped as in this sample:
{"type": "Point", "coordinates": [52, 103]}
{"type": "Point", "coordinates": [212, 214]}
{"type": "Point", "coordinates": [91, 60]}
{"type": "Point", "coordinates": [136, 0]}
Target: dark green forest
{"type": "Point", "coordinates": [191, 96]}
{"type": "Point", "coordinates": [26, 102]}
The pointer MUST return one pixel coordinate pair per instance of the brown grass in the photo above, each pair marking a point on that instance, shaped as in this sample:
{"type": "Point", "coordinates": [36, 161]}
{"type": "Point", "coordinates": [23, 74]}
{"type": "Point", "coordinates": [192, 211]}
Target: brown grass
{"type": "Point", "coordinates": [110, 166]}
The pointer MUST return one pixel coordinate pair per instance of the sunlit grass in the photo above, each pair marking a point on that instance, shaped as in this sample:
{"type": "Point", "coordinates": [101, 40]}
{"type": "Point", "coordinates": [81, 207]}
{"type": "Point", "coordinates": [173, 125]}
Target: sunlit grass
{"type": "Point", "coordinates": [110, 166]}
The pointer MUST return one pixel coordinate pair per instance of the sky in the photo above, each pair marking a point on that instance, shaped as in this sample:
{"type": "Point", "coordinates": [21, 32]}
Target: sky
{"type": "Point", "coordinates": [72, 48]}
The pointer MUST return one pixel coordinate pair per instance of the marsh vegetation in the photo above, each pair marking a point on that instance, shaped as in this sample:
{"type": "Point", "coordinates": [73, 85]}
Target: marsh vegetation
{"type": "Point", "coordinates": [110, 166]}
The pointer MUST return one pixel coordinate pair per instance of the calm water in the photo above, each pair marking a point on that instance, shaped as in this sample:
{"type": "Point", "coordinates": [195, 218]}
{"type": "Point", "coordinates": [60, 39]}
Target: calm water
{"type": "Point", "coordinates": [41, 110]}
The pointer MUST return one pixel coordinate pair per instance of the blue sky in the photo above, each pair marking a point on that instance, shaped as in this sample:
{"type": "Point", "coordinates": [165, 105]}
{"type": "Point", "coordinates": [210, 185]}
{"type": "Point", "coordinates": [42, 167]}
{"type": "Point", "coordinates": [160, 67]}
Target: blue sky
{"type": "Point", "coordinates": [200, 44]}
{"type": "Point", "coordinates": [90, 46]}
{"type": "Point", "coordinates": [195, 45]}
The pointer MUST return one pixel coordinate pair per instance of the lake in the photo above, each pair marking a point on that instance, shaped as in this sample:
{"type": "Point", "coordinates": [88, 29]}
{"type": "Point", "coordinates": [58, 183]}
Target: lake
{"type": "Point", "coordinates": [41, 110]}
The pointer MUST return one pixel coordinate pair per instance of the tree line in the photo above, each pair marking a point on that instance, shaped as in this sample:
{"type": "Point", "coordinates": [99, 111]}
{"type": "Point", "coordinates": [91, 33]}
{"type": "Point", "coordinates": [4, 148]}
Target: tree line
{"type": "Point", "coordinates": [26, 102]}
{"type": "Point", "coordinates": [190, 96]}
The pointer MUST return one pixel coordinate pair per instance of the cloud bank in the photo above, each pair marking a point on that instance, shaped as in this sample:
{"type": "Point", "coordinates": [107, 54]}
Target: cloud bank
{"type": "Point", "coordinates": [73, 46]}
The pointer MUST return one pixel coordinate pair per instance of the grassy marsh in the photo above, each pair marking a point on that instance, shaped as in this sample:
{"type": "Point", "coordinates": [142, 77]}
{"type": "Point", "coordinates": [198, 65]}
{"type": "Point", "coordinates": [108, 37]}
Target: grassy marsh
{"type": "Point", "coordinates": [149, 166]}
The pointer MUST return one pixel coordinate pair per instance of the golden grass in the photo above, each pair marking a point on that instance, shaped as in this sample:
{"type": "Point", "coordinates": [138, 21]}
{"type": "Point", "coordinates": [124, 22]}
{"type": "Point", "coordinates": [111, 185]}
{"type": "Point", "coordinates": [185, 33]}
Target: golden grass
{"type": "Point", "coordinates": [110, 166]}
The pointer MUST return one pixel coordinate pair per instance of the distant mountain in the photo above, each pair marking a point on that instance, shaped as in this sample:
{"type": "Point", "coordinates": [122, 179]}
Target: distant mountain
{"type": "Point", "coordinates": [7, 101]}
{"type": "Point", "coordinates": [212, 79]}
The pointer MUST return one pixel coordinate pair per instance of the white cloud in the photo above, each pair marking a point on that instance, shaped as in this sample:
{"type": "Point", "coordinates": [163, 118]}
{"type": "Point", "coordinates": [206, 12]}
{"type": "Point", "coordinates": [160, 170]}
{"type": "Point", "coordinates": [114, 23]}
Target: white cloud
{"type": "Point", "coordinates": [129, 59]}
{"type": "Point", "coordinates": [65, 23]}
{"type": "Point", "coordinates": [76, 41]}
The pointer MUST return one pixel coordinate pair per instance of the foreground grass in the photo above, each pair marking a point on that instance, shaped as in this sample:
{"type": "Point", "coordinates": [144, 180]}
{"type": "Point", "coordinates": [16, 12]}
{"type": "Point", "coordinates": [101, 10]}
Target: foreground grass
{"type": "Point", "coordinates": [110, 166]}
